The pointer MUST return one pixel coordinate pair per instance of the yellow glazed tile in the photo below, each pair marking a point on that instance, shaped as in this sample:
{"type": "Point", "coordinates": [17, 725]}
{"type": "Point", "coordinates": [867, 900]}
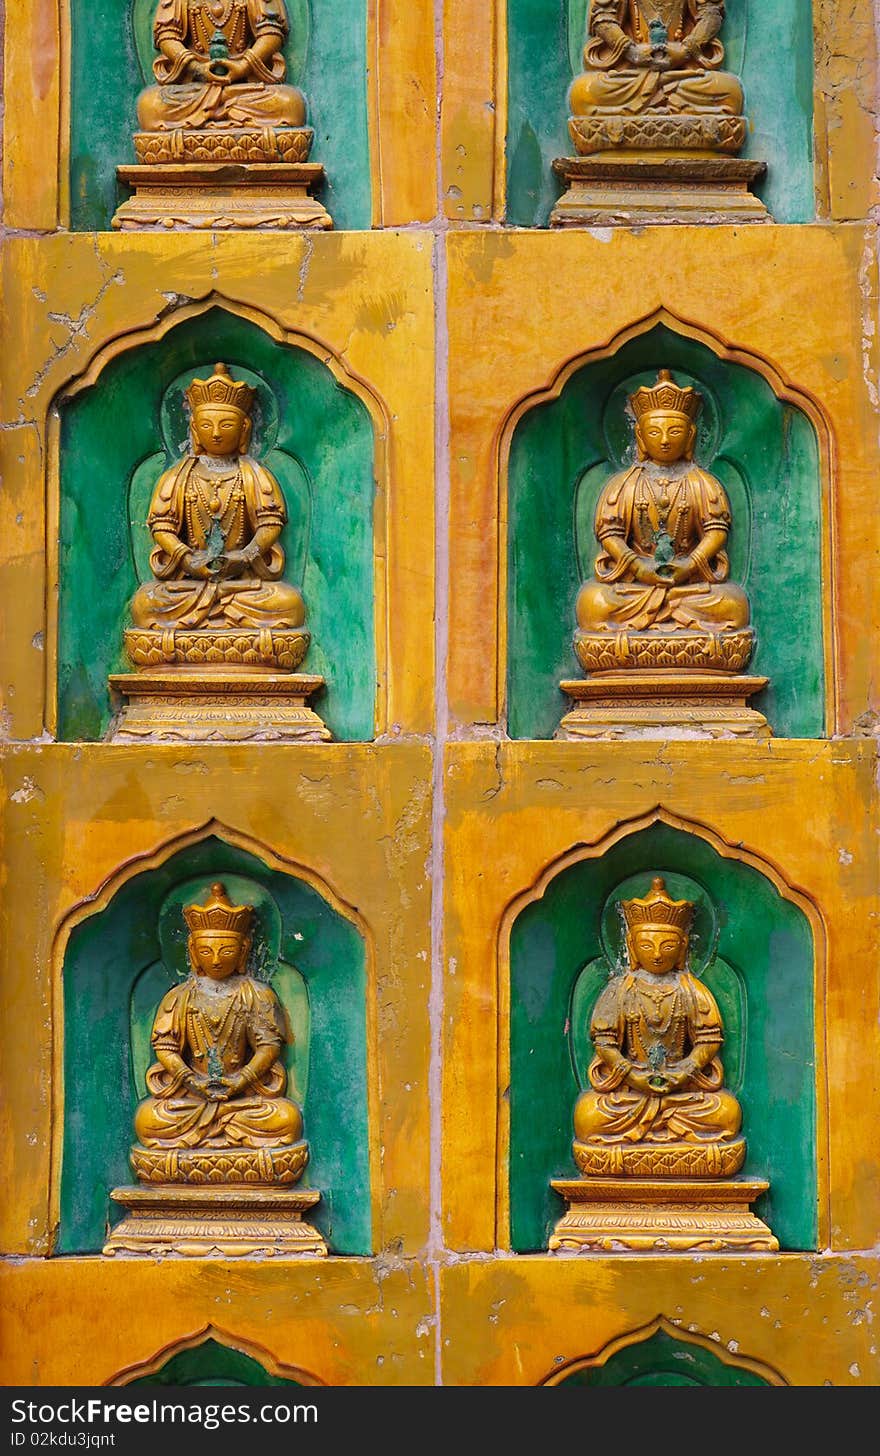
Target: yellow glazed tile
{"type": "Point", "coordinates": [540, 806]}
{"type": "Point", "coordinates": [330, 1322]}
{"type": "Point", "coordinates": [794, 1320]}
{"type": "Point", "coordinates": [362, 303]}
{"type": "Point", "coordinates": [796, 304]}
{"type": "Point", "coordinates": [402, 111]}
{"type": "Point", "coordinates": [79, 821]}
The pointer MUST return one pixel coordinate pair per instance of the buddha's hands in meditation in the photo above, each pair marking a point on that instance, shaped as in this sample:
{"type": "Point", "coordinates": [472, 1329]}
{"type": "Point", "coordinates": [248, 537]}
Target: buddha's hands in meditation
{"type": "Point", "coordinates": [679, 59]}
{"type": "Point", "coordinates": [227, 73]}
{"type": "Point", "coordinates": [220, 72]}
{"type": "Point", "coordinates": [199, 564]}
{"type": "Point", "coordinates": [233, 563]}
{"type": "Point", "coordinates": [640, 1078]}
{"type": "Point", "coordinates": [648, 575]}
{"type": "Point", "coordinates": [670, 1078]}
{"type": "Point", "coordinates": [680, 570]}
{"type": "Point", "coordinates": [669, 57]}
{"type": "Point", "coordinates": [200, 1083]}
{"type": "Point", "coordinates": [639, 55]}
{"type": "Point", "coordinates": [214, 1091]}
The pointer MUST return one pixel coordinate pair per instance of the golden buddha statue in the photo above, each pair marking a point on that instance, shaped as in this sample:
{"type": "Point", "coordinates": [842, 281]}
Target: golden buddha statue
{"type": "Point", "coordinates": [216, 619]}
{"type": "Point", "coordinates": [656, 1081]}
{"type": "Point", "coordinates": [216, 517]}
{"type": "Point", "coordinates": [656, 121]}
{"type": "Point", "coordinates": [657, 1110]}
{"type": "Point", "coordinates": [662, 526]}
{"type": "Point", "coordinates": [223, 140]}
{"type": "Point", "coordinates": [217, 1081]}
{"type": "Point", "coordinates": [199, 86]}
{"type": "Point", "coordinates": [660, 604]}
{"type": "Point", "coordinates": [217, 1114]}
{"type": "Point", "coordinates": [655, 55]}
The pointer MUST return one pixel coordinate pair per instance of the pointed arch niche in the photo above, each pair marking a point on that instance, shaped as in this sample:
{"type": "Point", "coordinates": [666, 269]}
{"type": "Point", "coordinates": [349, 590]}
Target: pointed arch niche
{"type": "Point", "coordinates": [320, 430]}
{"type": "Point", "coordinates": [769, 445]}
{"type": "Point", "coordinates": [663, 1353]}
{"type": "Point", "coordinates": [123, 948]}
{"type": "Point", "coordinates": [760, 948]}
{"type": "Point", "coordinates": [213, 1357]}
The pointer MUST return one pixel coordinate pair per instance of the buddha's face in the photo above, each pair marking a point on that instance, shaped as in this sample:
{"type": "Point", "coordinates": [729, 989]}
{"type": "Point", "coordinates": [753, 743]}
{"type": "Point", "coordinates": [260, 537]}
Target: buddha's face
{"type": "Point", "coordinates": [657, 948]}
{"type": "Point", "coordinates": [217, 953]}
{"type": "Point", "coordinates": [219, 429]}
{"type": "Point", "coordinates": [665, 436]}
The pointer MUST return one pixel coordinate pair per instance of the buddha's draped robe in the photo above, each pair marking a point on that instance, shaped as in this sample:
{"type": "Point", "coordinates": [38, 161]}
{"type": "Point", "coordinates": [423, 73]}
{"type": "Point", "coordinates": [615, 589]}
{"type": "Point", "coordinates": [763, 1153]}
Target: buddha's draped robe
{"type": "Point", "coordinates": [610, 83]}
{"type": "Point", "coordinates": [191, 1022]}
{"type": "Point", "coordinates": [631, 508]}
{"type": "Point", "coordinates": [249, 496]}
{"type": "Point", "coordinates": [635, 1012]}
{"type": "Point", "coordinates": [180, 101]}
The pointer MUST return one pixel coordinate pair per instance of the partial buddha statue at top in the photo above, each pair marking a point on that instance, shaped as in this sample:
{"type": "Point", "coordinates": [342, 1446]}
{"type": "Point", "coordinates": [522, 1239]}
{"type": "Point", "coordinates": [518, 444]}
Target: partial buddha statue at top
{"type": "Point", "coordinates": [222, 139]}
{"type": "Point", "coordinates": [655, 55]}
{"type": "Point", "coordinates": [656, 121]}
{"type": "Point", "coordinates": [220, 63]}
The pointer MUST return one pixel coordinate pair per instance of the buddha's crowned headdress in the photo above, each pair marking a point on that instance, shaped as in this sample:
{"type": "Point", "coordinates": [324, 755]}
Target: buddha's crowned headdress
{"type": "Point", "coordinates": [657, 909]}
{"type": "Point", "coordinates": [221, 388]}
{"type": "Point", "coordinates": [219, 913]}
{"type": "Point", "coordinates": [666, 395]}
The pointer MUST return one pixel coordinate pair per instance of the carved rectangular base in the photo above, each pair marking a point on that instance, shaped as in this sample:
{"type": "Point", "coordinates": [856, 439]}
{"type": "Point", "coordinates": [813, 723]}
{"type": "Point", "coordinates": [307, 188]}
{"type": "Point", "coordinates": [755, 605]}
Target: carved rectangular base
{"type": "Point", "coordinates": [222, 195]}
{"type": "Point", "coordinates": [201, 1223]}
{"type": "Point", "coordinates": [636, 188]}
{"type": "Point", "coordinates": [192, 706]}
{"type": "Point", "coordinates": [663, 704]}
{"type": "Point", "coordinates": [656, 1215]}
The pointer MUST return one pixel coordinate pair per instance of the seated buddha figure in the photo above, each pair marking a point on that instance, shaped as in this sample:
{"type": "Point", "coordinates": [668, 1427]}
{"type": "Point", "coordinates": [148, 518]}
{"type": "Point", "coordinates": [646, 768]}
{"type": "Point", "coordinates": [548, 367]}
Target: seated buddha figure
{"type": "Point", "coordinates": [220, 65]}
{"type": "Point", "coordinates": [218, 1080]}
{"type": "Point", "coordinates": [655, 55]}
{"type": "Point", "coordinates": [215, 517]}
{"type": "Point", "coordinates": [656, 1081]}
{"type": "Point", "coordinates": [662, 527]}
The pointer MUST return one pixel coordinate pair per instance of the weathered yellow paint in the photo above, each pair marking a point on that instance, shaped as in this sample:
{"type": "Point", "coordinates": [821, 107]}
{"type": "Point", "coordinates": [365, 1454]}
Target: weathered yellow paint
{"type": "Point", "coordinates": [344, 1321]}
{"type": "Point", "coordinates": [797, 304]}
{"type": "Point", "coordinates": [362, 302]}
{"type": "Point", "coordinates": [474, 109]}
{"type": "Point", "coordinates": [517, 1321]}
{"type": "Point", "coordinates": [845, 102]}
{"type": "Point", "coordinates": [34, 112]}
{"type": "Point", "coordinates": [403, 111]}
{"type": "Point", "coordinates": [354, 821]}
{"type": "Point", "coordinates": [537, 803]}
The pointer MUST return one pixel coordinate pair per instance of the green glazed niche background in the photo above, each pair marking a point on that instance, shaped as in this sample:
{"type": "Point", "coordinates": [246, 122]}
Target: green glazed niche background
{"type": "Point", "coordinates": [106, 956]}
{"type": "Point", "coordinates": [768, 44]}
{"type": "Point", "coordinates": [111, 62]}
{"type": "Point", "coordinates": [765, 453]}
{"type": "Point", "coordinates": [118, 436]}
{"type": "Point", "coordinates": [762, 976]}
{"type": "Point", "coordinates": [212, 1364]}
{"type": "Point", "coordinates": [662, 1360]}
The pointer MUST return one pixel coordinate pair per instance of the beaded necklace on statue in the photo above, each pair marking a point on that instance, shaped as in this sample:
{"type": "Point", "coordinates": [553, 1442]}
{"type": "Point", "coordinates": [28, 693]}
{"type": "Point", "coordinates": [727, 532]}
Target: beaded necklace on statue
{"type": "Point", "coordinates": [221, 499]}
{"type": "Point", "coordinates": [664, 1001]}
{"type": "Point", "coordinates": [217, 1018]}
